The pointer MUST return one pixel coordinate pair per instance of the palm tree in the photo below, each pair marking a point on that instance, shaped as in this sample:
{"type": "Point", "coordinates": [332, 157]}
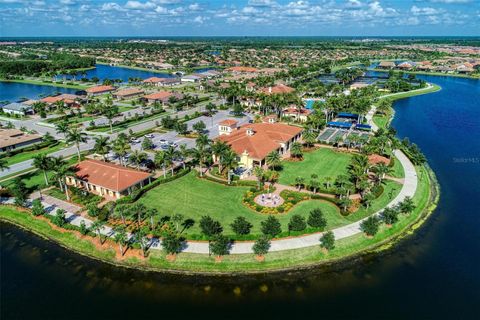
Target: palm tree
{"type": "Point", "coordinates": [229, 161]}
{"type": "Point", "coordinates": [61, 171]}
{"type": "Point", "coordinates": [299, 181]}
{"type": "Point", "coordinates": [183, 151]}
{"type": "Point", "coordinates": [62, 127]}
{"type": "Point", "coordinates": [110, 111]}
{"type": "Point", "coordinates": [102, 147]}
{"type": "Point", "coordinates": [121, 238]}
{"type": "Point", "coordinates": [137, 157]}
{"type": "Point", "coordinates": [44, 163]}
{"type": "Point", "coordinates": [137, 211]}
{"type": "Point", "coordinates": [150, 214]}
{"type": "Point", "coordinates": [122, 212]}
{"type": "Point", "coordinates": [260, 174]}
{"type": "Point", "coordinates": [76, 136]}
{"type": "Point", "coordinates": [272, 177]}
{"type": "Point", "coordinates": [273, 159]}
{"type": "Point", "coordinates": [120, 147]}
{"type": "Point", "coordinates": [160, 160]}
{"type": "Point", "coordinates": [218, 149]}
{"type": "Point", "coordinates": [310, 137]}
{"type": "Point", "coordinates": [170, 155]}
{"type": "Point", "coordinates": [98, 225]}
{"type": "Point", "coordinates": [381, 170]}
{"type": "Point", "coordinates": [296, 150]}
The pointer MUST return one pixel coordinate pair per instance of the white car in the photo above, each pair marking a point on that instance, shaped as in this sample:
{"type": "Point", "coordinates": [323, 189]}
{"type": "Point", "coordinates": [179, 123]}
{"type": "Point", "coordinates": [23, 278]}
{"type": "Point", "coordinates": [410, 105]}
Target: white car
{"type": "Point", "coordinates": [163, 141]}
{"type": "Point", "coordinates": [150, 136]}
{"type": "Point", "coordinates": [135, 141]}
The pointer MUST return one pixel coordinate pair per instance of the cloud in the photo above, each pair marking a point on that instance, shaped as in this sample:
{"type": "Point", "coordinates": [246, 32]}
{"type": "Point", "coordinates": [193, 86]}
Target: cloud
{"type": "Point", "coordinates": [111, 6]}
{"type": "Point", "coordinates": [262, 3]}
{"type": "Point", "coordinates": [200, 19]}
{"type": "Point", "coordinates": [451, 1]}
{"type": "Point", "coordinates": [424, 11]}
{"type": "Point", "coordinates": [194, 7]}
{"type": "Point", "coordinates": [68, 2]}
{"type": "Point", "coordinates": [137, 5]}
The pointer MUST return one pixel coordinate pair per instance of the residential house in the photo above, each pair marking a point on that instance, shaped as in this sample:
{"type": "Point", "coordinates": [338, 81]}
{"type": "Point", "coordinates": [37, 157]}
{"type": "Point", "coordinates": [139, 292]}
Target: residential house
{"type": "Point", "coordinates": [108, 180]}
{"type": "Point", "coordinates": [13, 139]}
{"type": "Point", "coordinates": [98, 90]}
{"type": "Point", "coordinates": [16, 108]}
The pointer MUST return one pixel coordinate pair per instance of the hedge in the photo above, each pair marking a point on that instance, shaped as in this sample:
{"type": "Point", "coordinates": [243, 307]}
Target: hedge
{"type": "Point", "coordinates": [132, 119]}
{"type": "Point", "coordinates": [237, 183]}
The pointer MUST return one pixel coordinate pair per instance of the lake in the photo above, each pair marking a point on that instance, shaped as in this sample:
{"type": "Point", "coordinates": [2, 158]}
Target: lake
{"type": "Point", "coordinates": [103, 72]}
{"type": "Point", "coordinates": [12, 91]}
{"type": "Point", "coordinates": [433, 274]}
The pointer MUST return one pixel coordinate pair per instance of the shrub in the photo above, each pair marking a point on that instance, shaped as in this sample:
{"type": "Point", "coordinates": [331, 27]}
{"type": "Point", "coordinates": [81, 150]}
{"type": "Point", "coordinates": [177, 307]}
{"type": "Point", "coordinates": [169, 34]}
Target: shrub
{"type": "Point", "coordinates": [327, 241]}
{"type": "Point", "coordinates": [271, 226]}
{"type": "Point", "coordinates": [37, 208]}
{"type": "Point", "coordinates": [220, 245]}
{"type": "Point", "coordinates": [261, 246]}
{"type": "Point", "coordinates": [297, 223]}
{"type": "Point", "coordinates": [209, 226]}
{"type": "Point", "coordinates": [241, 226]}
{"type": "Point", "coordinates": [83, 228]}
{"type": "Point", "coordinates": [171, 243]}
{"type": "Point", "coordinates": [389, 215]}
{"type": "Point", "coordinates": [59, 218]}
{"type": "Point", "coordinates": [370, 225]}
{"type": "Point", "coordinates": [316, 219]}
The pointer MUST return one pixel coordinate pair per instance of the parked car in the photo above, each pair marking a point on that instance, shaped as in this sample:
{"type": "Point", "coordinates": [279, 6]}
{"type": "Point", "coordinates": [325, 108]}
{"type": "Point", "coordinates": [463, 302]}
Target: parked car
{"type": "Point", "coordinates": [163, 141]}
{"type": "Point", "coordinates": [135, 141]}
{"type": "Point", "coordinates": [173, 144]}
{"type": "Point", "coordinates": [150, 136]}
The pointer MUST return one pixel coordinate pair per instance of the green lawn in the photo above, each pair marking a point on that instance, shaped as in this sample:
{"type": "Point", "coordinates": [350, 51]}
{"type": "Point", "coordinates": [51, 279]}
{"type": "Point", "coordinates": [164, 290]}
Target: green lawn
{"type": "Point", "coordinates": [19, 157]}
{"type": "Point", "coordinates": [381, 120]}
{"type": "Point", "coordinates": [397, 170]}
{"type": "Point", "coordinates": [324, 162]}
{"type": "Point", "coordinates": [194, 197]}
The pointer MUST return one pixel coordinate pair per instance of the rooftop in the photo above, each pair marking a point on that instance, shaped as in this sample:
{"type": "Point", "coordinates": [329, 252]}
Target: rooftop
{"type": "Point", "coordinates": [108, 175]}
{"type": "Point", "coordinates": [10, 137]}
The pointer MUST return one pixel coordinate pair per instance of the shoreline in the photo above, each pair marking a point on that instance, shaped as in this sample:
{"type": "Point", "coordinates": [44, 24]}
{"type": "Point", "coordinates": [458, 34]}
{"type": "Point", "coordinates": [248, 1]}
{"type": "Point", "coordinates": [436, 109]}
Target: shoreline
{"type": "Point", "coordinates": [41, 83]}
{"type": "Point", "coordinates": [372, 246]}
{"type": "Point", "coordinates": [437, 74]}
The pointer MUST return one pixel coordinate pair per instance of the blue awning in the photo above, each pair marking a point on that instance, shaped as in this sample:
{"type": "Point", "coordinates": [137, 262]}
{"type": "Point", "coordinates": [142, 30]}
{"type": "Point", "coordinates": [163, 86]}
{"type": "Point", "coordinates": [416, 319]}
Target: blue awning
{"type": "Point", "coordinates": [338, 124]}
{"type": "Point", "coordinates": [363, 126]}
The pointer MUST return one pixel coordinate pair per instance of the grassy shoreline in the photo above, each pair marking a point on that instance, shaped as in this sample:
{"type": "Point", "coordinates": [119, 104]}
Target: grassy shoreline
{"type": "Point", "coordinates": [440, 74]}
{"type": "Point", "coordinates": [187, 263]}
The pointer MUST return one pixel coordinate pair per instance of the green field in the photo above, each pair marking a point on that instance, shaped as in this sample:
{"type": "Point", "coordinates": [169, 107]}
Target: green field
{"type": "Point", "coordinates": [324, 162]}
{"type": "Point", "coordinates": [194, 197]}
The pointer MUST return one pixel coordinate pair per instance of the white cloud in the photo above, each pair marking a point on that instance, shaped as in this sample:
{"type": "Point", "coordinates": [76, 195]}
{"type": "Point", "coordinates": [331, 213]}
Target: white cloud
{"type": "Point", "coordinates": [200, 19]}
{"type": "Point", "coordinates": [424, 11]}
{"type": "Point", "coordinates": [111, 6]}
{"type": "Point", "coordinates": [194, 7]}
{"type": "Point", "coordinates": [262, 3]}
{"type": "Point", "coordinates": [451, 1]}
{"type": "Point", "coordinates": [67, 2]}
{"type": "Point", "coordinates": [137, 5]}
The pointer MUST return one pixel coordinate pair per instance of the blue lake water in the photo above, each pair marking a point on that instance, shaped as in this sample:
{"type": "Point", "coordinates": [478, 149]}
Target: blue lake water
{"type": "Point", "coordinates": [432, 275]}
{"type": "Point", "coordinates": [12, 92]}
{"type": "Point", "coordinates": [103, 72]}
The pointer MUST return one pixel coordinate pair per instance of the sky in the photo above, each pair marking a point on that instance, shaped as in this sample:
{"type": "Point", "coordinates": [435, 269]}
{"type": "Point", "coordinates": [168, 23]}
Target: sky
{"type": "Point", "coordinates": [239, 18]}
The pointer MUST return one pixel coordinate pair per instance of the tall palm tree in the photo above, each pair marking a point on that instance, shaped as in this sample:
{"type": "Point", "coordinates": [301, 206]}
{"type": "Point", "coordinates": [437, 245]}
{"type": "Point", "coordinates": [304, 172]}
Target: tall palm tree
{"type": "Point", "coordinates": [160, 161]}
{"type": "Point", "coordinates": [218, 149]}
{"type": "Point", "coordinates": [102, 146]}
{"type": "Point", "coordinates": [184, 152]}
{"type": "Point", "coordinates": [381, 170]}
{"type": "Point", "coordinates": [110, 111]}
{"type": "Point", "coordinates": [44, 163]}
{"type": "Point", "coordinates": [170, 154]}
{"type": "Point", "coordinates": [260, 174]}
{"type": "Point", "coordinates": [98, 225]}
{"type": "Point", "coordinates": [120, 147]}
{"type": "Point", "coordinates": [229, 161]}
{"type": "Point", "coordinates": [137, 157]}
{"type": "Point", "coordinates": [310, 137]}
{"type": "Point", "coordinates": [76, 136]}
{"type": "Point", "coordinates": [120, 237]}
{"type": "Point", "coordinates": [61, 170]}
{"type": "Point", "coordinates": [273, 159]}
{"type": "Point", "coordinates": [62, 127]}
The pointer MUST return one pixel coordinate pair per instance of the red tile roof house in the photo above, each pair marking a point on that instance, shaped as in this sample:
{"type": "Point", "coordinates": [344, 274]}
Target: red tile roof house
{"type": "Point", "coordinates": [162, 82]}
{"type": "Point", "coordinates": [128, 93]}
{"type": "Point", "coordinates": [108, 180]}
{"type": "Point", "coordinates": [297, 114]}
{"type": "Point", "coordinates": [254, 141]}
{"type": "Point", "coordinates": [162, 96]}
{"type": "Point", "coordinates": [278, 89]}
{"type": "Point", "coordinates": [98, 90]}
{"type": "Point", "coordinates": [68, 99]}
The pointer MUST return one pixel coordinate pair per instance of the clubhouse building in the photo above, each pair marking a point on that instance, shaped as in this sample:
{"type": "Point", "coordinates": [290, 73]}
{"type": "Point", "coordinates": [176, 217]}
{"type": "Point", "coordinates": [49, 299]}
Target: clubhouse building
{"type": "Point", "coordinates": [252, 142]}
{"type": "Point", "coordinates": [108, 180]}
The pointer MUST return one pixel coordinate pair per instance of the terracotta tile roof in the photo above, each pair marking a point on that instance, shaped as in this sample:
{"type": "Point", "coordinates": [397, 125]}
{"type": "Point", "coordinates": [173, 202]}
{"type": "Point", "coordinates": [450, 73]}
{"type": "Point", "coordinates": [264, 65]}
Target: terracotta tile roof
{"type": "Point", "coordinates": [266, 138]}
{"type": "Point", "coordinates": [278, 89]}
{"type": "Point", "coordinates": [10, 137]}
{"type": "Point", "coordinates": [152, 80]}
{"type": "Point", "coordinates": [128, 92]}
{"type": "Point", "coordinates": [296, 111]}
{"type": "Point", "coordinates": [242, 69]}
{"type": "Point", "coordinates": [228, 122]}
{"type": "Point", "coordinates": [158, 95]}
{"type": "Point", "coordinates": [108, 175]}
{"type": "Point", "coordinates": [99, 89]}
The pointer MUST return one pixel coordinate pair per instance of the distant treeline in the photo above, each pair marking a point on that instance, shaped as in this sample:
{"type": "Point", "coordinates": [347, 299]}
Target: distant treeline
{"type": "Point", "coordinates": [54, 63]}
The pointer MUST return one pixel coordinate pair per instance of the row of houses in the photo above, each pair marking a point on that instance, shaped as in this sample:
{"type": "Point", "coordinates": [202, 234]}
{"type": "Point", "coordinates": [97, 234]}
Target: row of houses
{"type": "Point", "coordinates": [464, 67]}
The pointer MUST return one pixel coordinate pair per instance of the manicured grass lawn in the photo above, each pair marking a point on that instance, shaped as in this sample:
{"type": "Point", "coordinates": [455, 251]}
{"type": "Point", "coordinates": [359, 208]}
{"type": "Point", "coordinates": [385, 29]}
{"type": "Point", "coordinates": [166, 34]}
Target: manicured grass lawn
{"type": "Point", "coordinates": [397, 170]}
{"type": "Point", "coordinates": [194, 197]}
{"type": "Point", "coordinates": [380, 120]}
{"type": "Point", "coordinates": [324, 162]}
{"type": "Point", "coordinates": [19, 157]}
